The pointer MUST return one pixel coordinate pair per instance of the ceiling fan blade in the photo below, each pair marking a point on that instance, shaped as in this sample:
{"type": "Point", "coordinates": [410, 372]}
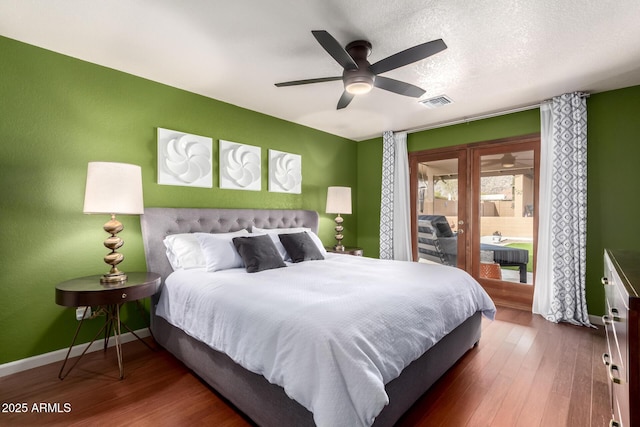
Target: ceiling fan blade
{"type": "Point", "coordinates": [308, 81]}
{"type": "Point", "coordinates": [334, 49]}
{"type": "Point", "coordinates": [345, 99]}
{"type": "Point", "coordinates": [396, 86]}
{"type": "Point", "coordinates": [408, 56]}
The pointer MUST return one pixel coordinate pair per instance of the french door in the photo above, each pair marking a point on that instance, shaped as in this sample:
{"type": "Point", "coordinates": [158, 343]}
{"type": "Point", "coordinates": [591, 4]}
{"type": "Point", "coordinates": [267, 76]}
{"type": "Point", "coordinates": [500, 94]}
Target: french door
{"type": "Point", "coordinates": [439, 206]}
{"type": "Point", "coordinates": [474, 207]}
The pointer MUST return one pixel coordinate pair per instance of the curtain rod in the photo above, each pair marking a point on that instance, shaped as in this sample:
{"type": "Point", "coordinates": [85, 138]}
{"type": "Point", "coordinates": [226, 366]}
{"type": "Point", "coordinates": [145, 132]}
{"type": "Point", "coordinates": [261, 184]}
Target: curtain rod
{"type": "Point", "coordinates": [486, 116]}
{"type": "Point", "coordinates": [474, 118]}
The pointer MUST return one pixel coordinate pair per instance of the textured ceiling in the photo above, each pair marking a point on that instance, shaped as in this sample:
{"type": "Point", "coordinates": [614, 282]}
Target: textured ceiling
{"type": "Point", "coordinates": [501, 54]}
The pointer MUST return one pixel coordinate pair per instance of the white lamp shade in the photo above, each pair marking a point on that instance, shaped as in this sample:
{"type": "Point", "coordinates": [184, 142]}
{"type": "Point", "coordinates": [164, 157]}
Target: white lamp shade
{"type": "Point", "coordinates": [113, 188]}
{"type": "Point", "coordinates": [339, 200]}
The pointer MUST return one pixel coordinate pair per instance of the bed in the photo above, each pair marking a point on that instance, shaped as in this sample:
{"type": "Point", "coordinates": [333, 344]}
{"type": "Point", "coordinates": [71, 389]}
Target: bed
{"type": "Point", "coordinates": [265, 402]}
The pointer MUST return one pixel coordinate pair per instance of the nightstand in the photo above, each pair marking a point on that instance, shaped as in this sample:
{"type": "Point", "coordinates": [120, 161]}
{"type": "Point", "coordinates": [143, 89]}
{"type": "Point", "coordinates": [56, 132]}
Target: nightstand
{"type": "Point", "coordinates": [89, 292]}
{"type": "Point", "coordinates": [347, 251]}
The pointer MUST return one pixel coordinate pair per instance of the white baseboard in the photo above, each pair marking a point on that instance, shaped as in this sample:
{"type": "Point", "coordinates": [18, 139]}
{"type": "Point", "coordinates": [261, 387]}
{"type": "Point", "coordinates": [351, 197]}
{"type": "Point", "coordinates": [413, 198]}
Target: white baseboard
{"type": "Point", "coordinates": [58, 355]}
{"type": "Point", "coordinates": [596, 320]}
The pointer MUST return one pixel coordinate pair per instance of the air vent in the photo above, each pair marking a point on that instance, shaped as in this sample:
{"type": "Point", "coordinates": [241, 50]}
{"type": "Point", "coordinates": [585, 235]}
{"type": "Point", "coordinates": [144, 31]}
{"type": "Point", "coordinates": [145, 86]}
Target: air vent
{"type": "Point", "coordinates": [436, 102]}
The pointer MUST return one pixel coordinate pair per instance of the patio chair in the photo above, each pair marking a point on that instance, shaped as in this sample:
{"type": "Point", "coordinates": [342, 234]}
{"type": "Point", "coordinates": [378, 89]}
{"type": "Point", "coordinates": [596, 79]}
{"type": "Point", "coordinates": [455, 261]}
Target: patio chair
{"type": "Point", "coordinates": [436, 241]}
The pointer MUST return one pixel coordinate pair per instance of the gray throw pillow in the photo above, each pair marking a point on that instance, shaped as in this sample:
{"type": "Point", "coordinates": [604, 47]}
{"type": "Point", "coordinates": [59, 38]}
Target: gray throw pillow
{"type": "Point", "coordinates": [258, 253]}
{"type": "Point", "coordinates": [300, 247]}
{"type": "Point", "coordinates": [444, 230]}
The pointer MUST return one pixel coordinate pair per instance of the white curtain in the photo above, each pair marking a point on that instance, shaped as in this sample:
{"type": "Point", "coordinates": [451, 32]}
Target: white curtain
{"type": "Point", "coordinates": [395, 219]}
{"type": "Point", "coordinates": [559, 293]}
{"type": "Point", "coordinates": [543, 294]}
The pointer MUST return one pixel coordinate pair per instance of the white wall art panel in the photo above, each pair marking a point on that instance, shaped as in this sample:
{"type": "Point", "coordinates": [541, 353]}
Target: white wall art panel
{"type": "Point", "coordinates": [239, 166]}
{"type": "Point", "coordinates": [184, 159]}
{"type": "Point", "coordinates": [285, 172]}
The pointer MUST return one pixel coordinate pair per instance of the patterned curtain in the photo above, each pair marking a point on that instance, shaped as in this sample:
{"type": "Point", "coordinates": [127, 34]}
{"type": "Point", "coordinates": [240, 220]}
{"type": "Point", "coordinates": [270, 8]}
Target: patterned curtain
{"type": "Point", "coordinates": [386, 198]}
{"type": "Point", "coordinates": [560, 276]}
{"type": "Point", "coordinates": [395, 225]}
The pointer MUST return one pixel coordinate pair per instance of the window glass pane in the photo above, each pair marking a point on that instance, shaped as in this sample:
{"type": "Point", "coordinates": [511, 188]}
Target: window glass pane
{"type": "Point", "coordinates": [437, 214]}
{"type": "Point", "coordinates": [506, 217]}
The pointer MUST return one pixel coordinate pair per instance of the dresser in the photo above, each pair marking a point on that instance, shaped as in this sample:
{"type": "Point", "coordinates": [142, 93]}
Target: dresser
{"type": "Point", "coordinates": [621, 283]}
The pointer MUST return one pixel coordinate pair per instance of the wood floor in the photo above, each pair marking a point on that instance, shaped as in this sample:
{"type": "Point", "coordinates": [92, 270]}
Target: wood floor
{"type": "Point", "coordinates": [524, 372]}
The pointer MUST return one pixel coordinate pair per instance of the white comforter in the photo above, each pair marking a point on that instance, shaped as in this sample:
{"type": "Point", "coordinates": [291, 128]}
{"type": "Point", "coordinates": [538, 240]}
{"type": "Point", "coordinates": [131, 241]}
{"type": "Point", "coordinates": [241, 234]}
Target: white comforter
{"type": "Point", "coordinates": [332, 333]}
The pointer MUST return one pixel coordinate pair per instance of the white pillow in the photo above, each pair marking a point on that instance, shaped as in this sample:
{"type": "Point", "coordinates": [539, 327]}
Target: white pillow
{"type": "Point", "coordinates": [273, 233]}
{"type": "Point", "coordinates": [219, 252]}
{"type": "Point", "coordinates": [183, 251]}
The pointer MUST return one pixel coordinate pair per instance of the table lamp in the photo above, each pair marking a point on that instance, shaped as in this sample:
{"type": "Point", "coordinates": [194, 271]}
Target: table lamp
{"type": "Point", "coordinates": [113, 188]}
{"type": "Point", "coordinates": [339, 202]}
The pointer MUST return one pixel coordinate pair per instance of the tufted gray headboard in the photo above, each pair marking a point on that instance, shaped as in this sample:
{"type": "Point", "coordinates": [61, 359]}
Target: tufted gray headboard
{"type": "Point", "coordinates": [157, 223]}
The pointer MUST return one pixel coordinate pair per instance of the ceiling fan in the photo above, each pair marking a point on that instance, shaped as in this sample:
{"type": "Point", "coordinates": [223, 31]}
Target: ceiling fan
{"type": "Point", "coordinates": [359, 76]}
{"type": "Point", "coordinates": [508, 161]}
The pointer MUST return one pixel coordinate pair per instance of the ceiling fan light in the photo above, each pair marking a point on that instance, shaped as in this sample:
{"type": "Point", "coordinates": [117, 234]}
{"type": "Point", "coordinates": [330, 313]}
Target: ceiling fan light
{"type": "Point", "coordinates": [508, 161]}
{"type": "Point", "coordinates": [359, 81]}
{"type": "Point", "coordinates": [358, 88]}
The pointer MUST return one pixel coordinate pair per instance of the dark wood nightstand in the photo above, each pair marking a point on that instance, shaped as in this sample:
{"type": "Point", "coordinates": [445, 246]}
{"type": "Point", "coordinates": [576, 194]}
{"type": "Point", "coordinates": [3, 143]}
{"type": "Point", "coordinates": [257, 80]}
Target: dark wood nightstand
{"type": "Point", "coordinates": [347, 251]}
{"type": "Point", "coordinates": [89, 292]}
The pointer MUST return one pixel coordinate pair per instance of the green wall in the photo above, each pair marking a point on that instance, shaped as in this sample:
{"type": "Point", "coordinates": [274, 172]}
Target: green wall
{"type": "Point", "coordinates": [613, 205]}
{"type": "Point", "coordinates": [57, 114]}
{"type": "Point", "coordinates": [613, 153]}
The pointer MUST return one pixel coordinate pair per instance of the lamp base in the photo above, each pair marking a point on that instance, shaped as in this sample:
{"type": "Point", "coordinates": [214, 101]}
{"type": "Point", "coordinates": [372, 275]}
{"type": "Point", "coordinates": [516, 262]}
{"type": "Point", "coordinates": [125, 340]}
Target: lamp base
{"type": "Point", "coordinates": [339, 228]}
{"type": "Point", "coordinates": [113, 242]}
{"type": "Point", "coordinates": [113, 279]}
